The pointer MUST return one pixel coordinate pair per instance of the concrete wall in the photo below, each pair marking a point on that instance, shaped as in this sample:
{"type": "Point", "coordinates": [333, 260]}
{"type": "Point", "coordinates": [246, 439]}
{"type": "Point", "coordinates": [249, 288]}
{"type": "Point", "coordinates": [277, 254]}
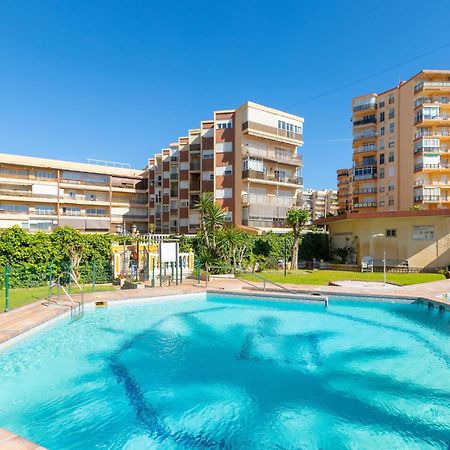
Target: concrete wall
{"type": "Point", "coordinates": [419, 253]}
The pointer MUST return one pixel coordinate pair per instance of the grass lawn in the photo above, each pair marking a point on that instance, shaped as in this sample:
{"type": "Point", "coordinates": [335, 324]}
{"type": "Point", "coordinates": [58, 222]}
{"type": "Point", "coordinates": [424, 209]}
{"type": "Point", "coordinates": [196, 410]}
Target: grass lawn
{"type": "Point", "coordinates": [20, 297]}
{"type": "Point", "coordinates": [323, 277]}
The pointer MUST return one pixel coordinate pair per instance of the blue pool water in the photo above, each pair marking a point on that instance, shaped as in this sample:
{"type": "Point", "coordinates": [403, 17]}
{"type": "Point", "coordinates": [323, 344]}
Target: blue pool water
{"type": "Point", "coordinates": [233, 373]}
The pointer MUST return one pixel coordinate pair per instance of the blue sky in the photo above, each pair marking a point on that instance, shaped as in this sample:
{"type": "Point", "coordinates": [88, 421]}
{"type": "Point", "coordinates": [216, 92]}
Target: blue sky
{"type": "Point", "coordinates": [118, 80]}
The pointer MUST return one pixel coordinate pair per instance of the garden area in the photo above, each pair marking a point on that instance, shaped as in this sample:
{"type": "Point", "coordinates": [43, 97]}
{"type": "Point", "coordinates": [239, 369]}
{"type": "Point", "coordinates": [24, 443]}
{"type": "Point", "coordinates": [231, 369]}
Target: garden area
{"type": "Point", "coordinates": [323, 277]}
{"type": "Point", "coordinates": [30, 262]}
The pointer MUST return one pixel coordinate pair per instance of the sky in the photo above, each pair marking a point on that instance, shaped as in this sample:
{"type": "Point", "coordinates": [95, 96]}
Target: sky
{"type": "Point", "coordinates": [119, 80]}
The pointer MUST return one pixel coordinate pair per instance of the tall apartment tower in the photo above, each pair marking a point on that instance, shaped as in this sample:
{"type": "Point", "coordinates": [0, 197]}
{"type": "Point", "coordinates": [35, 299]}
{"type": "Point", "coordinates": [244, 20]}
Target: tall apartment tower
{"type": "Point", "coordinates": [320, 203]}
{"type": "Point", "coordinates": [246, 157]}
{"type": "Point", "coordinates": [344, 197]}
{"type": "Point", "coordinates": [401, 146]}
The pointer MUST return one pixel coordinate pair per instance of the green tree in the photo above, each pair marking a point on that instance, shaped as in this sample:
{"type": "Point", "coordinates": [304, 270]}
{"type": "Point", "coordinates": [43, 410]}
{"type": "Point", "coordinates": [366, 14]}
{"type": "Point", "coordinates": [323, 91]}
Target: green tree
{"type": "Point", "coordinates": [296, 218]}
{"type": "Point", "coordinates": [212, 219]}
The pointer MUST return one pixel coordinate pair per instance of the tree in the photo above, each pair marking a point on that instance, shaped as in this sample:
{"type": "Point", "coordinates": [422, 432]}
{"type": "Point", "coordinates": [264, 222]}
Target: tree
{"type": "Point", "coordinates": [212, 218]}
{"type": "Point", "coordinates": [296, 218]}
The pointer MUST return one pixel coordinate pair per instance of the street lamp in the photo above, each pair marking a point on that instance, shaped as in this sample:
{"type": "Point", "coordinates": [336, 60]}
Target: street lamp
{"type": "Point", "coordinates": [384, 254]}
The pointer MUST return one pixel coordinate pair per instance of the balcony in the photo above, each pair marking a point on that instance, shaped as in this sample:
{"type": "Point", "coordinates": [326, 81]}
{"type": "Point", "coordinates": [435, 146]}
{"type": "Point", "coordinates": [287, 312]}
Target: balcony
{"type": "Point", "coordinates": [361, 136]}
{"type": "Point", "coordinates": [365, 191]}
{"type": "Point", "coordinates": [431, 85]}
{"type": "Point", "coordinates": [365, 121]}
{"type": "Point", "coordinates": [420, 167]}
{"type": "Point", "coordinates": [267, 200]}
{"type": "Point", "coordinates": [365, 205]}
{"type": "Point", "coordinates": [194, 165]}
{"type": "Point", "coordinates": [365, 106]}
{"type": "Point", "coordinates": [174, 193]}
{"type": "Point", "coordinates": [273, 155]}
{"type": "Point", "coordinates": [174, 176]}
{"type": "Point", "coordinates": [420, 118]}
{"type": "Point", "coordinates": [278, 134]}
{"type": "Point", "coordinates": [426, 198]}
{"type": "Point", "coordinates": [366, 148]}
{"type": "Point", "coordinates": [276, 178]}
{"type": "Point", "coordinates": [194, 186]}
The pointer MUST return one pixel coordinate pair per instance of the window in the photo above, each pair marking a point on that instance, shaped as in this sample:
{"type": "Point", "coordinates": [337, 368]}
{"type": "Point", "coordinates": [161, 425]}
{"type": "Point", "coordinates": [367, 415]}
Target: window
{"type": "Point", "coordinates": [282, 125]}
{"type": "Point", "coordinates": [96, 212]}
{"type": "Point", "coordinates": [224, 147]}
{"type": "Point", "coordinates": [44, 210]}
{"type": "Point", "coordinates": [391, 202]}
{"type": "Point", "coordinates": [382, 189]}
{"type": "Point", "coordinates": [224, 193]}
{"type": "Point", "coordinates": [382, 131]}
{"type": "Point", "coordinates": [382, 116]}
{"type": "Point", "coordinates": [71, 211]}
{"type": "Point", "coordinates": [423, 233]}
{"type": "Point", "coordinates": [382, 172]}
{"type": "Point", "coordinates": [381, 105]}
{"type": "Point", "coordinates": [224, 124]}
{"type": "Point", "coordinates": [391, 143]}
{"type": "Point", "coordinates": [391, 127]}
{"type": "Point", "coordinates": [391, 156]}
{"type": "Point", "coordinates": [381, 202]}
{"type": "Point", "coordinates": [391, 98]}
{"type": "Point", "coordinates": [391, 233]}
{"type": "Point", "coordinates": [382, 145]}
{"type": "Point", "coordinates": [391, 113]}
{"type": "Point", "coordinates": [86, 177]}
{"type": "Point", "coordinates": [391, 187]}
{"type": "Point", "coordinates": [382, 158]}
{"type": "Point", "coordinates": [44, 174]}
{"type": "Point", "coordinates": [8, 208]}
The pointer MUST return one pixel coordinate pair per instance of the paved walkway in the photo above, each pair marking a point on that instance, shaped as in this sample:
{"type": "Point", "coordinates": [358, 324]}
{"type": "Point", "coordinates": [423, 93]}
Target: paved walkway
{"type": "Point", "coordinates": [11, 441]}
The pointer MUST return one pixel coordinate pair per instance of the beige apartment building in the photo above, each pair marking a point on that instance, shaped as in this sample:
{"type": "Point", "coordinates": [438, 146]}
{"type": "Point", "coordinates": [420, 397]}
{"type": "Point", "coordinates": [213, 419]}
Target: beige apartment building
{"type": "Point", "coordinates": [401, 147]}
{"type": "Point", "coordinates": [246, 157]}
{"type": "Point", "coordinates": [320, 203]}
{"type": "Point", "coordinates": [344, 196]}
{"type": "Point", "coordinates": [39, 194]}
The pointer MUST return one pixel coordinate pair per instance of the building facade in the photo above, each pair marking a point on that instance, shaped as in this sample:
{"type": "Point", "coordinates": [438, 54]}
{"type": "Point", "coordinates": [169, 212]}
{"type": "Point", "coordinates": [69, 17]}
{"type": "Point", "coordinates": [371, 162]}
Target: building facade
{"type": "Point", "coordinates": [401, 147]}
{"type": "Point", "coordinates": [246, 158]}
{"type": "Point", "coordinates": [39, 194]}
{"type": "Point", "coordinates": [414, 239]}
{"type": "Point", "coordinates": [320, 203]}
{"type": "Point", "coordinates": [344, 196]}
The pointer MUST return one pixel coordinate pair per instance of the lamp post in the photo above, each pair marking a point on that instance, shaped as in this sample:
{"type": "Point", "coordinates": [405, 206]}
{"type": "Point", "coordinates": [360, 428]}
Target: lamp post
{"type": "Point", "coordinates": [384, 254]}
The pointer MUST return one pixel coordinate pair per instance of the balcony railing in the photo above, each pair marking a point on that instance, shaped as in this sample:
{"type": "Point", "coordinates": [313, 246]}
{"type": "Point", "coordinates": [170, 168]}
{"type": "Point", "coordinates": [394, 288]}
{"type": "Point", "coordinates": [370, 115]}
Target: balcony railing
{"type": "Point", "coordinates": [370, 105]}
{"type": "Point", "coordinates": [419, 167]}
{"type": "Point", "coordinates": [365, 121]}
{"type": "Point", "coordinates": [357, 137]}
{"type": "Point", "coordinates": [267, 200]}
{"type": "Point", "coordinates": [426, 198]}
{"type": "Point", "coordinates": [194, 166]}
{"type": "Point", "coordinates": [273, 155]}
{"type": "Point", "coordinates": [365, 191]}
{"type": "Point", "coordinates": [266, 129]}
{"type": "Point", "coordinates": [427, 133]}
{"type": "Point", "coordinates": [365, 205]}
{"type": "Point", "coordinates": [421, 118]}
{"type": "Point", "coordinates": [194, 186]}
{"type": "Point", "coordinates": [431, 84]}
{"type": "Point", "coordinates": [249, 173]}
{"type": "Point", "coordinates": [366, 148]}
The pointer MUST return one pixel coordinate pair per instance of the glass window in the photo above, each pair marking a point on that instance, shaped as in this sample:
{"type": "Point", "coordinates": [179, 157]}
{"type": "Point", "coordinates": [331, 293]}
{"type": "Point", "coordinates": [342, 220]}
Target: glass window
{"type": "Point", "coordinates": [423, 233]}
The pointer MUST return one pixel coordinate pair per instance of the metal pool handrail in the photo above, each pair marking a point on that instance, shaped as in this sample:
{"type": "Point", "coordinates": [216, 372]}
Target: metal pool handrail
{"type": "Point", "coordinates": [72, 301]}
{"type": "Point", "coordinates": [319, 296]}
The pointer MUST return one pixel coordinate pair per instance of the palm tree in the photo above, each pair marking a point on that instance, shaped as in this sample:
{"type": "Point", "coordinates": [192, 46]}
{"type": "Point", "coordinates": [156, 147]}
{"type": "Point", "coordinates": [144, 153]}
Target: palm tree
{"type": "Point", "coordinates": [297, 219]}
{"type": "Point", "coordinates": [212, 218]}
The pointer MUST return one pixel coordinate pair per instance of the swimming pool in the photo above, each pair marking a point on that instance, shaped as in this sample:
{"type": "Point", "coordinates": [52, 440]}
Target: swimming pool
{"type": "Point", "coordinates": [232, 372]}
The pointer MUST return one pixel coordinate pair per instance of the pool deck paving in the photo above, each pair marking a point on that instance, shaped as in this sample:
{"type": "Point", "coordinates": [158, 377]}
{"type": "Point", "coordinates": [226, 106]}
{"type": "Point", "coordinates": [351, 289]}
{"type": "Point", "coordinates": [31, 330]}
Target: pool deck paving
{"type": "Point", "coordinates": [18, 321]}
{"type": "Point", "coordinates": [11, 441]}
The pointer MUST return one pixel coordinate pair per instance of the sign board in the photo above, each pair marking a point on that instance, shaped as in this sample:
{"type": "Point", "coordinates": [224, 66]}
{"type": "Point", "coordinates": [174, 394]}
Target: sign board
{"type": "Point", "coordinates": [168, 251]}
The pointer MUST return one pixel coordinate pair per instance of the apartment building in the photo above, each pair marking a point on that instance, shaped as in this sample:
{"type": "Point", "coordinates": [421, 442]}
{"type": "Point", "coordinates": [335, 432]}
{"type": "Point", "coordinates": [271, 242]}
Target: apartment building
{"type": "Point", "coordinates": [246, 157]}
{"type": "Point", "coordinates": [39, 194]}
{"type": "Point", "coordinates": [401, 147]}
{"type": "Point", "coordinates": [321, 203]}
{"type": "Point", "coordinates": [344, 197]}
